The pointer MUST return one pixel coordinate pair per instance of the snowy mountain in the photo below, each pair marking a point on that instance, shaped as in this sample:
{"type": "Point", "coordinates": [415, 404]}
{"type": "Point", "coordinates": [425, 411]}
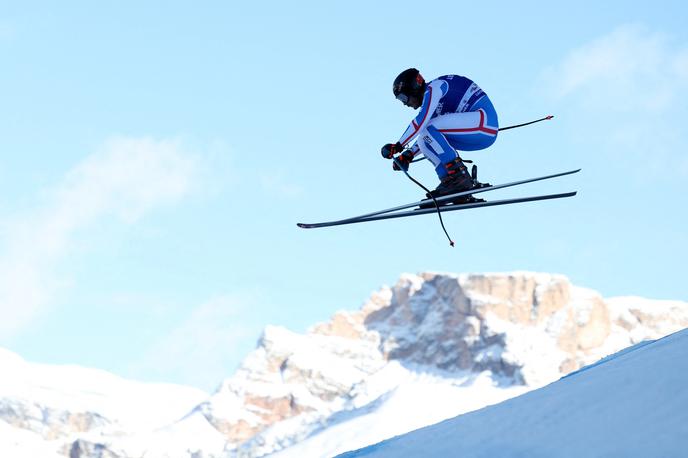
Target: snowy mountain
{"type": "Point", "coordinates": [44, 409]}
{"type": "Point", "coordinates": [429, 348]}
{"type": "Point", "coordinates": [631, 404]}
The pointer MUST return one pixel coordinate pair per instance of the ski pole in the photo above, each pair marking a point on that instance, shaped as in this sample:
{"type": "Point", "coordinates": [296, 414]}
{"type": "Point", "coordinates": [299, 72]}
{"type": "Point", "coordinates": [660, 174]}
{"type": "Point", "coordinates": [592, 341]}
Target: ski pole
{"type": "Point", "coordinates": [546, 118]}
{"type": "Point", "coordinates": [437, 205]}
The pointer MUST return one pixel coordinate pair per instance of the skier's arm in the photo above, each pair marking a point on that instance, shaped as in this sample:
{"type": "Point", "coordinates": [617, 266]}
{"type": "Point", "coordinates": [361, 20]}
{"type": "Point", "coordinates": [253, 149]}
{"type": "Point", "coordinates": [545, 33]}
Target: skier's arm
{"type": "Point", "coordinates": [435, 91]}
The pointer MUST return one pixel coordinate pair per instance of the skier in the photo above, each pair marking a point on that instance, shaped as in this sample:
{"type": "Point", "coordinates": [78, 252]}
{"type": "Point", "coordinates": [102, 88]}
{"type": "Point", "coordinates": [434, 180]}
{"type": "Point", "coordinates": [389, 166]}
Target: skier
{"type": "Point", "coordinates": [455, 114]}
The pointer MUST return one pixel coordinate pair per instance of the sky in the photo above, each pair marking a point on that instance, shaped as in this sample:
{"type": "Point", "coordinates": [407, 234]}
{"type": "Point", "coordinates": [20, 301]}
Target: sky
{"type": "Point", "coordinates": [155, 158]}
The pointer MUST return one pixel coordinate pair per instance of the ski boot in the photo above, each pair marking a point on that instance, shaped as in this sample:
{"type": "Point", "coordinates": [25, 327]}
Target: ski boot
{"type": "Point", "coordinates": [457, 180]}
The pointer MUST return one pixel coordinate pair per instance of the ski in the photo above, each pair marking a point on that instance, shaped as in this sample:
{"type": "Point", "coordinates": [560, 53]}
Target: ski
{"type": "Point", "coordinates": [443, 208]}
{"type": "Point", "coordinates": [368, 216]}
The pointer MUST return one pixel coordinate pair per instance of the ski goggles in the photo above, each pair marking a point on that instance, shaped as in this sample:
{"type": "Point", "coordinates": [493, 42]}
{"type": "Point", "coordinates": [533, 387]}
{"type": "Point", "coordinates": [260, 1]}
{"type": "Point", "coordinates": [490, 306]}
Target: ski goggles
{"type": "Point", "coordinates": [403, 98]}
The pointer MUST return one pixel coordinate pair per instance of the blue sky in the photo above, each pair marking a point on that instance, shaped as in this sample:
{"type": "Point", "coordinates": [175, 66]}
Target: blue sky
{"type": "Point", "coordinates": [155, 159]}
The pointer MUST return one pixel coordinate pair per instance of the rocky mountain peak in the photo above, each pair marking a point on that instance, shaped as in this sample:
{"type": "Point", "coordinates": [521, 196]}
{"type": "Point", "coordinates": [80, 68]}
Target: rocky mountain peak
{"type": "Point", "coordinates": [522, 328]}
{"type": "Point", "coordinates": [448, 321]}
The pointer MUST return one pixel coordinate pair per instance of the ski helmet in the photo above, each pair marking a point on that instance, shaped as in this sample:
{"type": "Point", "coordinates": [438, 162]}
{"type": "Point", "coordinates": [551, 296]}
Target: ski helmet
{"type": "Point", "coordinates": [409, 83]}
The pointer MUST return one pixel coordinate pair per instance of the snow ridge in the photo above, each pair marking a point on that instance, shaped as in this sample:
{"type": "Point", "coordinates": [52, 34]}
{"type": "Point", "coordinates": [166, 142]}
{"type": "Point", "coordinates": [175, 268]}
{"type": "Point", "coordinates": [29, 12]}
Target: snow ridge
{"type": "Point", "coordinates": [631, 404]}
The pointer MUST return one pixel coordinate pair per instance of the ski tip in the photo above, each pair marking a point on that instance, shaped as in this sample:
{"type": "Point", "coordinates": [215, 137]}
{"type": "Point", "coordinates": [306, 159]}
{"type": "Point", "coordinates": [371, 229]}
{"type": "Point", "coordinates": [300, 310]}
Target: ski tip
{"type": "Point", "coordinates": [303, 225]}
{"type": "Point", "coordinates": [548, 117]}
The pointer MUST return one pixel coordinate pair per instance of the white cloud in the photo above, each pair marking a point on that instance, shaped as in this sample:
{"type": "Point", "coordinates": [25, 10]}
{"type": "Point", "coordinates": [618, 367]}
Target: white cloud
{"type": "Point", "coordinates": [202, 350]}
{"type": "Point", "coordinates": [125, 179]}
{"type": "Point", "coordinates": [626, 93]}
{"type": "Point", "coordinates": [631, 68]}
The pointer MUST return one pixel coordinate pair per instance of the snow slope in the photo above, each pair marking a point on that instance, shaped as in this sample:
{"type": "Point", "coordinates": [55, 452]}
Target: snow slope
{"type": "Point", "coordinates": [132, 405]}
{"type": "Point", "coordinates": [417, 400]}
{"type": "Point", "coordinates": [631, 404]}
{"type": "Point", "coordinates": [44, 408]}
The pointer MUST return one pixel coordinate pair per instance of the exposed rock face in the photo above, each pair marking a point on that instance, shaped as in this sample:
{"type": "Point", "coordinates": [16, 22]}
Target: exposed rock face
{"type": "Point", "coordinates": [289, 375]}
{"type": "Point", "coordinates": [517, 330]}
{"type": "Point", "coordinates": [451, 317]}
{"type": "Point", "coordinates": [49, 422]}
{"type": "Point", "coordinates": [84, 449]}
{"type": "Point", "coordinates": [448, 321]}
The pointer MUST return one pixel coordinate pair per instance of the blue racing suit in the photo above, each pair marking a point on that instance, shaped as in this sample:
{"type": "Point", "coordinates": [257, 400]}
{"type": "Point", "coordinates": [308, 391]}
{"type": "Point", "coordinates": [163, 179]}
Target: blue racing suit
{"type": "Point", "coordinates": [455, 115]}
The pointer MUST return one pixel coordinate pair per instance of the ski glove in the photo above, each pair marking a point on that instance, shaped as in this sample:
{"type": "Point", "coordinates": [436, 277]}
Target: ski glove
{"type": "Point", "coordinates": [390, 149]}
{"type": "Point", "coordinates": [404, 160]}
